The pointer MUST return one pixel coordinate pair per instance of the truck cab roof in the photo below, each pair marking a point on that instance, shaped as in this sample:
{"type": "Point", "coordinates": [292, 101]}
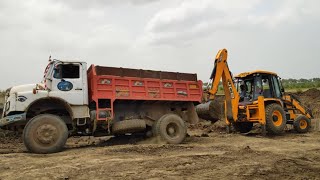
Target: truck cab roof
{"type": "Point", "coordinates": [67, 61]}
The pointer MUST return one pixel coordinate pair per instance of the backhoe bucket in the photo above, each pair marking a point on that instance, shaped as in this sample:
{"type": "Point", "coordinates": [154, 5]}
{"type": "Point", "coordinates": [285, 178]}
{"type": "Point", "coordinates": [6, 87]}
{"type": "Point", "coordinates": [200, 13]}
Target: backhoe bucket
{"type": "Point", "coordinates": [212, 110]}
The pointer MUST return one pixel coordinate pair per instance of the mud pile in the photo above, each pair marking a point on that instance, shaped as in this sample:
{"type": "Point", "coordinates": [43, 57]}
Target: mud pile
{"type": "Point", "coordinates": [206, 127]}
{"type": "Point", "coordinates": [10, 142]}
{"type": "Point", "coordinates": [311, 99]}
{"type": "Point", "coordinates": [314, 93]}
{"type": "Point", "coordinates": [8, 136]}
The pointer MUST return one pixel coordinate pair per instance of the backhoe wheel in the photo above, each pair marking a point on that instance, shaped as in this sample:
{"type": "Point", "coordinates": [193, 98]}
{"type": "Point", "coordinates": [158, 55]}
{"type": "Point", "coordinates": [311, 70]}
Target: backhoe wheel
{"type": "Point", "coordinates": [170, 128]}
{"type": "Point", "coordinates": [45, 134]}
{"type": "Point", "coordinates": [243, 127]}
{"type": "Point", "coordinates": [275, 119]}
{"type": "Point", "coordinates": [302, 124]}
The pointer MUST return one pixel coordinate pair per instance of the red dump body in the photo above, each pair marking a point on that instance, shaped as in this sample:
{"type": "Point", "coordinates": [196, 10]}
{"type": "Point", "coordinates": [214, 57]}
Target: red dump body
{"type": "Point", "coordinates": [112, 84]}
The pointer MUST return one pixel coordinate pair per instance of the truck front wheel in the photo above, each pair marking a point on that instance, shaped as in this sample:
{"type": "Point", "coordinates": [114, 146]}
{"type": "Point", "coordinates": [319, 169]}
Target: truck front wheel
{"type": "Point", "coordinates": [170, 128]}
{"type": "Point", "coordinates": [45, 134]}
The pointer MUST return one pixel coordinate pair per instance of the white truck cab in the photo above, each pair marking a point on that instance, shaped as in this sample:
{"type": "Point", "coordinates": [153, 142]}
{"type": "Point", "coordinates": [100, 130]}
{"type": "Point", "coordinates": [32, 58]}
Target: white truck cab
{"type": "Point", "coordinates": [64, 84]}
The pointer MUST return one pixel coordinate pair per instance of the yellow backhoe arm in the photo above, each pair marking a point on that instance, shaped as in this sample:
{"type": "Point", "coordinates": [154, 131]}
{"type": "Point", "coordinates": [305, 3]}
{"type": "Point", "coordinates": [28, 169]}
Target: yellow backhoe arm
{"type": "Point", "coordinates": [221, 71]}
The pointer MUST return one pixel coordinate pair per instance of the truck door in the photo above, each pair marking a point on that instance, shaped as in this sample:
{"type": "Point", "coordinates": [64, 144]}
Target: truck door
{"type": "Point", "coordinates": [67, 83]}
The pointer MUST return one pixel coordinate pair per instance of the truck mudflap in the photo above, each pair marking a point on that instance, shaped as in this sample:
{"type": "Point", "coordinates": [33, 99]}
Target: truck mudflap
{"type": "Point", "coordinates": [13, 119]}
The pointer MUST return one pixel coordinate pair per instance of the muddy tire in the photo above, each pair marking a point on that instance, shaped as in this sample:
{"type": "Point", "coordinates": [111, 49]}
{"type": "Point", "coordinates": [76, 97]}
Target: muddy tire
{"type": "Point", "coordinates": [275, 119]}
{"type": "Point", "coordinates": [45, 134]}
{"type": "Point", "coordinates": [243, 127]}
{"type": "Point", "coordinates": [156, 124]}
{"type": "Point", "coordinates": [302, 124]}
{"type": "Point", "coordinates": [170, 128]}
{"type": "Point", "coordinates": [128, 126]}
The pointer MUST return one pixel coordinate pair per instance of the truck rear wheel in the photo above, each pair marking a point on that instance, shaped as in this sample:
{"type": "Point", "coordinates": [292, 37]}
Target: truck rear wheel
{"type": "Point", "coordinates": [275, 119]}
{"type": "Point", "coordinates": [45, 134]}
{"type": "Point", "coordinates": [171, 128]}
{"type": "Point", "coordinates": [302, 124]}
{"type": "Point", "coordinates": [156, 124]}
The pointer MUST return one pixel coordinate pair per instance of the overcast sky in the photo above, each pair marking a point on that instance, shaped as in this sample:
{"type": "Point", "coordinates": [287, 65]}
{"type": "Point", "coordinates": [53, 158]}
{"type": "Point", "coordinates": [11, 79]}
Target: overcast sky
{"type": "Point", "coordinates": [169, 35]}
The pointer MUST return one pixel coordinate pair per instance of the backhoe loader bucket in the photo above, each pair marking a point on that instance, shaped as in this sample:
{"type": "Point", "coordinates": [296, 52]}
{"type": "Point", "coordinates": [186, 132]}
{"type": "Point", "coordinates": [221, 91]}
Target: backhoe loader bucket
{"type": "Point", "coordinates": [212, 110]}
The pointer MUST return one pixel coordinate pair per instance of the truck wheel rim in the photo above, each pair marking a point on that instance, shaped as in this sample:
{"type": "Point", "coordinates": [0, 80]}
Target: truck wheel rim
{"type": "Point", "coordinates": [303, 124]}
{"type": "Point", "coordinates": [277, 118]}
{"type": "Point", "coordinates": [46, 134]}
{"type": "Point", "coordinates": [172, 130]}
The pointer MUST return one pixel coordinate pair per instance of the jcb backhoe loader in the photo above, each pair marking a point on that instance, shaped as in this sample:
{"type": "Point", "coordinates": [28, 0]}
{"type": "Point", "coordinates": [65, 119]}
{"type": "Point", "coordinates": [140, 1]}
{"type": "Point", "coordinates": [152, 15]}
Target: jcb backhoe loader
{"type": "Point", "coordinates": [257, 97]}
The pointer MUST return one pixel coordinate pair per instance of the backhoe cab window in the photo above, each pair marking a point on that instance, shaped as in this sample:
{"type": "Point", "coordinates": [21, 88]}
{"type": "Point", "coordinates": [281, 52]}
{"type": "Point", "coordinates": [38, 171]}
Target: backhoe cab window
{"type": "Point", "coordinates": [262, 87]}
{"type": "Point", "coordinates": [67, 71]}
{"type": "Point", "coordinates": [244, 87]}
{"type": "Point", "coordinates": [277, 88]}
{"type": "Point", "coordinates": [258, 89]}
{"type": "Point", "coordinates": [266, 87]}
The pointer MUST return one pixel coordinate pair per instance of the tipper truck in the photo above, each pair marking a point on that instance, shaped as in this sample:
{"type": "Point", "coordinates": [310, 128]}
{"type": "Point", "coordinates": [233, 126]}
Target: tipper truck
{"type": "Point", "coordinates": [72, 100]}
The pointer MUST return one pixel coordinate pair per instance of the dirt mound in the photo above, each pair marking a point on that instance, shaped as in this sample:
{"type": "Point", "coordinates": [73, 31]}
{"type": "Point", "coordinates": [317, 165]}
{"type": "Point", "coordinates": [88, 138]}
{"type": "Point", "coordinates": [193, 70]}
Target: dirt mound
{"type": "Point", "coordinates": [311, 99]}
{"type": "Point", "coordinates": [10, 142]}
{"type": "Point", "coordinates": [314, 93]}
{"type": "Point", "coordinates": [4, 134]}
{"type": "Point", "coordinates": [204, 128]}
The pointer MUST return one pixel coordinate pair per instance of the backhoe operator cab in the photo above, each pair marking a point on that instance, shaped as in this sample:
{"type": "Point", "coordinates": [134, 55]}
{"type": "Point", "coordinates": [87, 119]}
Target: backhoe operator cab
{"type": "Point", "coordinates": [257, 97]}
{"type": "Point", "coordinates": [258, 83]}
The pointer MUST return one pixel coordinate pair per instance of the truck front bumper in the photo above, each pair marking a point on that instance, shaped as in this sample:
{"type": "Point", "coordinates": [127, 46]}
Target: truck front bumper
{"type": "Point", "coordinates": [13, 119]}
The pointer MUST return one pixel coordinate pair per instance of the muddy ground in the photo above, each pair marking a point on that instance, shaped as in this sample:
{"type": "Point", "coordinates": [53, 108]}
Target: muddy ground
{"type": "Point", "coordinates": [208, 153]}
